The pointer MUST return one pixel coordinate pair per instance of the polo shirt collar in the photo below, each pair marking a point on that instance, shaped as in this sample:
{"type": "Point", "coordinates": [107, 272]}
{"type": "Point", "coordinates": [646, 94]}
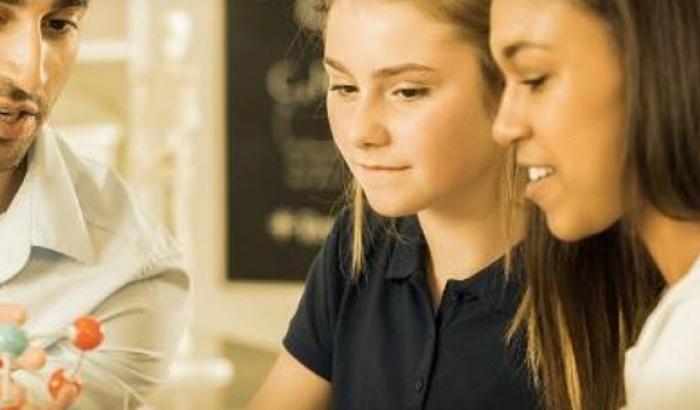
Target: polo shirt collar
{"type": "Point", "coordinates": [408, 256]}
{"type": "Point", "coordinates": [495, 288]}
{"type": "Point", "coordinates": [489, 285]}
{"type": "Point", "coordinates": [46, 211]}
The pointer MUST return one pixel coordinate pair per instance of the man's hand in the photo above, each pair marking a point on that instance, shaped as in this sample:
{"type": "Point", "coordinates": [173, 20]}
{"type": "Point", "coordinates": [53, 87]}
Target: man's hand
{"type": "Point", "coordinates": [32, 359]}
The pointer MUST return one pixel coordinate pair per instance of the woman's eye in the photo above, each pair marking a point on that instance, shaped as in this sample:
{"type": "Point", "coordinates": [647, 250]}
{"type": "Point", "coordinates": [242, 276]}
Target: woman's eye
{"type": "Point", "coordinates": [535, 83]}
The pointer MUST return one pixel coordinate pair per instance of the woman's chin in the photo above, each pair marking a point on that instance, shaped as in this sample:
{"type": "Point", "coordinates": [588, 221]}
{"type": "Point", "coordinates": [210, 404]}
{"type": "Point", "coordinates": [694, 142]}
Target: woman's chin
{"type": "Point", "coordinates": [573, 229]}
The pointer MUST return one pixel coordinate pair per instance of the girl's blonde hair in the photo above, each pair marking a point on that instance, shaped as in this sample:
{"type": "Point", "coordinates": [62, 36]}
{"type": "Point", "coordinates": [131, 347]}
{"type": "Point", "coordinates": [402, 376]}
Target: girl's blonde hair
{"type": "Point", "coordinates": [471, 20]}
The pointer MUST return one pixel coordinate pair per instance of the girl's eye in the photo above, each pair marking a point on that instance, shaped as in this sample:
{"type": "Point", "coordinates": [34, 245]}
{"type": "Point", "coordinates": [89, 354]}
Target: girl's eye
{"type": "Point", "coordinates": [343, 89]}
{"type": "Point", "coordinates": [411, 94]}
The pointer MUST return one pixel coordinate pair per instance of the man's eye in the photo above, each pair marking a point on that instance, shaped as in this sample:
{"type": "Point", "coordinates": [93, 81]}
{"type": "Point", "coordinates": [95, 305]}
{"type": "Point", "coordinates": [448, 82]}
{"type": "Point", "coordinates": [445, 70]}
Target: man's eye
{"type": "Point", "coordinates": [60, 26]}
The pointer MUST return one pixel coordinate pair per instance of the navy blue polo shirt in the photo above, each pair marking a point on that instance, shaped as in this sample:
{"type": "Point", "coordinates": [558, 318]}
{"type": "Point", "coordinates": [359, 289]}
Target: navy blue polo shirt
{"type": "Point", "coordinates": [381, 344]}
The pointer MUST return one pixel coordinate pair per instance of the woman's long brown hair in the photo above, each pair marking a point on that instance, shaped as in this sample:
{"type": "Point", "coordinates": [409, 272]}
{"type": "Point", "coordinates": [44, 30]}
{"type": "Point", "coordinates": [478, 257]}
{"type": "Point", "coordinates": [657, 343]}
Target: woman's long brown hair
{"type": "Point", "coordinates": [585, 302]}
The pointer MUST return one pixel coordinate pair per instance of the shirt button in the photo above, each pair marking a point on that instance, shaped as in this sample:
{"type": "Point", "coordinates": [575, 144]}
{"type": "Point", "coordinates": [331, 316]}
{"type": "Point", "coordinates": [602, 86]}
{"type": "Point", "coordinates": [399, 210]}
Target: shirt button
{"type": "Point", "coordinates": [420, 385]}
{"type": "Point", "coordinates": [454, 297]}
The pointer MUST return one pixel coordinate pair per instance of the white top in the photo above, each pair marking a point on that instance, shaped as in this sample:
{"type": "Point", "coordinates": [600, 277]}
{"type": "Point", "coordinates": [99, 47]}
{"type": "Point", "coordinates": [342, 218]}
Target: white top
{"type": "Point", "coordinates": [662, 371]}
{"type": "Point", "coordinates": [73, 242]}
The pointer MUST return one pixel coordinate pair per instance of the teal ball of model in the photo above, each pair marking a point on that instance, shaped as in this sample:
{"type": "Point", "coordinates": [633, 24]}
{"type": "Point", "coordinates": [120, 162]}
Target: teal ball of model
{"type": "Point", "coordinates": [13, 340]}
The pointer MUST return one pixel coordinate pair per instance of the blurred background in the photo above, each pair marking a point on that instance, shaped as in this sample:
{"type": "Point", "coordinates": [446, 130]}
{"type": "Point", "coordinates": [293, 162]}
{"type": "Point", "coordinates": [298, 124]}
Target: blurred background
{"type": "Point", "coordinates": [212, 111]}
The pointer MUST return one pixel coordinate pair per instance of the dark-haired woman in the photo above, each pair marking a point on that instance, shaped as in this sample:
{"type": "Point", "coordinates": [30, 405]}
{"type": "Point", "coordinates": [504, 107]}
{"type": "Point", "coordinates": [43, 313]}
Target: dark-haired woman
{"type": "Point", "coordinates": [602, 107]}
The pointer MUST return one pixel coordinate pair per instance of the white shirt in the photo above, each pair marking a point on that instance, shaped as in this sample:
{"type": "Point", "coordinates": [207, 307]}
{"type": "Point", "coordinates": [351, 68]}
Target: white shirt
{"type": "Point", "coordinates": [662, 371]}
{"type": "Point", "coordinates": [73, 242]}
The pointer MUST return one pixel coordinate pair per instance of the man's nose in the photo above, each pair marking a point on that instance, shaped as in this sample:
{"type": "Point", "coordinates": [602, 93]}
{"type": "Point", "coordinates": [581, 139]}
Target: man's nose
{"type": "Point", "coordinates": [21, 56]}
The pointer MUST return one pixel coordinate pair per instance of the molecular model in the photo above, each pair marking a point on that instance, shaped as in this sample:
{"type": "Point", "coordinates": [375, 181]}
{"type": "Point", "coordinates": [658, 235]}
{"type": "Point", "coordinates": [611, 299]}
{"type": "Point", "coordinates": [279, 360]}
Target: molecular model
{"type": "Point", "coordinates": [85, 333]}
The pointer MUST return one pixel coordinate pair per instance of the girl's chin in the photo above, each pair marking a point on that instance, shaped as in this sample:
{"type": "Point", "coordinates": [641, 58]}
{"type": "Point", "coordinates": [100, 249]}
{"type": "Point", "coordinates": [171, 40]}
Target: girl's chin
{"type": "Point", "coordinates": [390, 208]}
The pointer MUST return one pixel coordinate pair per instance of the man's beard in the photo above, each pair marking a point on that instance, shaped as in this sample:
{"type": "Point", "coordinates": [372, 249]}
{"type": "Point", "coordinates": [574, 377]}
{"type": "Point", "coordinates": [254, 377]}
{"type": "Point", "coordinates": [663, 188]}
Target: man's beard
{"type": "Point", "coordinates": [13, 151]}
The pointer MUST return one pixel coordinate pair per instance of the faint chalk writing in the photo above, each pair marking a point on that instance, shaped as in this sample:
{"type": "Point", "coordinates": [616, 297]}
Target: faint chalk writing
{"type": "Point", "coordinates": [310, 162]}
{"type": "Point", "coordinates": [305, 226]}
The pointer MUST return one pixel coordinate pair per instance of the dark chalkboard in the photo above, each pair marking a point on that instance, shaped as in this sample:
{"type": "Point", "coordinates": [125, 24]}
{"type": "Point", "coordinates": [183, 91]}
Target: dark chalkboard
{"type": "Point", "coordinates": [284, 173]}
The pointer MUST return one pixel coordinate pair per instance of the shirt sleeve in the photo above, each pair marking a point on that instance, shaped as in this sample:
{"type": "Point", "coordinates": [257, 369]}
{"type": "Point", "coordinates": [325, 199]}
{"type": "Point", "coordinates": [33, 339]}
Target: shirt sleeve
{"type": "Point", "coordinates": [309, 338]}
{"type": "Point", "coordinates": [142, 323]}
{"type": "Point", "coordinates": [669, 378]}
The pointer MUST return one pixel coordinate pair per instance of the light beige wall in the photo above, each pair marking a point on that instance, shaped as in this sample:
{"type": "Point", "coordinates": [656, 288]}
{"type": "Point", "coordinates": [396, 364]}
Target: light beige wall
{"type": "Point", "coordinates": [254, 312]}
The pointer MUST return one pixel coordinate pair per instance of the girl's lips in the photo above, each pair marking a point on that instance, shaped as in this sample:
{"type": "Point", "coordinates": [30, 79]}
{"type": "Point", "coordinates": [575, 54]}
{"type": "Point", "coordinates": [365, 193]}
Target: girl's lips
{"type": "Point", "coordinates": [382, 168]}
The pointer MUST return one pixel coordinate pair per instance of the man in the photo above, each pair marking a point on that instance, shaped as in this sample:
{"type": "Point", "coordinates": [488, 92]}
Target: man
{"type": "Point", "coordinates": [72, 240]}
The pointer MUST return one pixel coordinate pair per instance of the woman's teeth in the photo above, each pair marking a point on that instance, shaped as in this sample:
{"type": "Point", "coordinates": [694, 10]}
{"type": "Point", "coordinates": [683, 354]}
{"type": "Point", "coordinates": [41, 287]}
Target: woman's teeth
{"type": "Point", "coordinates": [535, 174]}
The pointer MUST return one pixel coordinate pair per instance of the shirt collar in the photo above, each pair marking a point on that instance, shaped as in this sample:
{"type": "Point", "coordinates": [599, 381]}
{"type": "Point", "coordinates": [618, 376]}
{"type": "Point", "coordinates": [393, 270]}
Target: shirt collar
{"type": "Point", "coordinates": [57, 219]}
{"type": "Point", "coordinates": [490, 285]}
{"type": "Point", "coordinates": [408, 256]}
{"type": "Point", "coordinates": [15, 234]}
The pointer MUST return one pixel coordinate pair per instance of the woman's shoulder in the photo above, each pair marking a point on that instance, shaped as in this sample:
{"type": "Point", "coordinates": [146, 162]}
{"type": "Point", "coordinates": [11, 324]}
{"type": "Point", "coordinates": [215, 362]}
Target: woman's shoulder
{"type": "Point", "coordinates": [663, 368]}
{"type": "Point", "coordinates": [678, 309]}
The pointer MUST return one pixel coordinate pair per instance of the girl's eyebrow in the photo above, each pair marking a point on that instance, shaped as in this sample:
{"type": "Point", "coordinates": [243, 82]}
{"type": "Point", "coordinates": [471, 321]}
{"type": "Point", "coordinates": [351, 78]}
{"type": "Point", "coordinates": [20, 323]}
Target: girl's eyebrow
{"type": "Point", "coordinates": [382, 72]}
